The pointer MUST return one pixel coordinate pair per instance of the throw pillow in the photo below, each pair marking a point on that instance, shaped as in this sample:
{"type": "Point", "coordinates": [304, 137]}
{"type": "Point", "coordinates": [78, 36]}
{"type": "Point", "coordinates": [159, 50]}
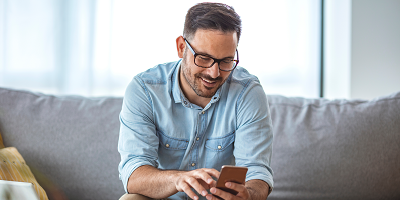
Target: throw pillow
{"type": "Point", "coordinates": [14, 168]}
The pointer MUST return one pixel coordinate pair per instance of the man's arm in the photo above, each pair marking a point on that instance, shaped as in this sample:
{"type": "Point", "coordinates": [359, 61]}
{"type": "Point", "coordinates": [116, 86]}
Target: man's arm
{"type": "Point", "coordinates": [152, 182]}
{"type": "Point", "coordinates": [254, 136]}
{"type": "Point", "coordinates": [258, 189]}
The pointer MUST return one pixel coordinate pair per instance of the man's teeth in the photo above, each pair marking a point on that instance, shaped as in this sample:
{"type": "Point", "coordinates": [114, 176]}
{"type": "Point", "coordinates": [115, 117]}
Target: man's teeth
{"type": "Point", "coordinates": [207, 81]}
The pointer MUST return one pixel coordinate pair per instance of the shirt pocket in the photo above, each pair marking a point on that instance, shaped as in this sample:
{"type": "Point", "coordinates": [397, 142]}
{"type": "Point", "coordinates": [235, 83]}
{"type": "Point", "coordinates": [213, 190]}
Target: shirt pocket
{"type": "Point", "coordinates": [219, 151]}
{"type": "Point", "coordinates": [171, 151]}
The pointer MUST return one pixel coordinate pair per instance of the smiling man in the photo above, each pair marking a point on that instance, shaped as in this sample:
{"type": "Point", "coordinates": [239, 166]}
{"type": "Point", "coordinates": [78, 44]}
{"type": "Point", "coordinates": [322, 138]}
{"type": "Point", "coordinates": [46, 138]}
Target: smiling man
{"type": "Point", "coordinates": [182, 121]}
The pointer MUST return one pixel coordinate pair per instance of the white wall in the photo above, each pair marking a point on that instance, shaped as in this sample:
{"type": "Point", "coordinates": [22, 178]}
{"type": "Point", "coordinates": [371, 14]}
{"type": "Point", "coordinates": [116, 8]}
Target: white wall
{"type": "Point", "coordinates": [375, 48]}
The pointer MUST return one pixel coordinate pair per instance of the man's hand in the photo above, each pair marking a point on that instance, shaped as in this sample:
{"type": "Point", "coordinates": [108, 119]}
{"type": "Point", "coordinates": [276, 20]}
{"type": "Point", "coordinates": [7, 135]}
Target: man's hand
{"type": "Point", "coordinates": [199, 179]}
{"type": "Point", "coordinates": [243, 193]}
{"type": "Point", "coordinates": [252, 190]}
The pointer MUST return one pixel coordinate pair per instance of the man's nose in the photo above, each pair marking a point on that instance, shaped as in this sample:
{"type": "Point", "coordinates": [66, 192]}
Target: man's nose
{"type": "Point", "coordinates": [213, 71]}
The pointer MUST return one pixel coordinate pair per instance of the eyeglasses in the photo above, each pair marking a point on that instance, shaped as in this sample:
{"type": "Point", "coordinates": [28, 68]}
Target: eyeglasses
{"type": "Point", "coordinates": [205, 61]}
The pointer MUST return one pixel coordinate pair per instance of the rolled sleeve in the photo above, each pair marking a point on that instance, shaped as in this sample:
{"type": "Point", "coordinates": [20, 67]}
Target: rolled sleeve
{"type": "Point", "coordinates": [253, 139]}
{"type": "Point", "coordinates": [138, 142]}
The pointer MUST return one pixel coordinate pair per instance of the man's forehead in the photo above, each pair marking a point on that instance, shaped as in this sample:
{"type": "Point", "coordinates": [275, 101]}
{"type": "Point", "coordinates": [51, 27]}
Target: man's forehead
{"type": "Point", "coordinates": [215, 43]}
{"type": "Point", "coordinates": [214, 34]}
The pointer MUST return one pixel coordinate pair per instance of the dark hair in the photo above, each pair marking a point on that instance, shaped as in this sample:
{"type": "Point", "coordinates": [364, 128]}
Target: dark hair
{"type": "Point", "coordinates": [211, 16]}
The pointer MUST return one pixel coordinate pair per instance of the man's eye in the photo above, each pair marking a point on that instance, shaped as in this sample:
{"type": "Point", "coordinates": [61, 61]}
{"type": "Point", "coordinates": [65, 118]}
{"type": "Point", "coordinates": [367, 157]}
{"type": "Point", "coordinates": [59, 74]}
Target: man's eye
{"type": "Point", "coordinates": [227, 61]}
{"type": "Point", "coordinates": [204, 58]}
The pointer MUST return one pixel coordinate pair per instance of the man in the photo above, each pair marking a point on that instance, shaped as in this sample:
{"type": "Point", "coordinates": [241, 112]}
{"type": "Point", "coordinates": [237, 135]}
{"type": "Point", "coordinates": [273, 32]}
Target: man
{"type": "Point", "coordinates": [181, 121]}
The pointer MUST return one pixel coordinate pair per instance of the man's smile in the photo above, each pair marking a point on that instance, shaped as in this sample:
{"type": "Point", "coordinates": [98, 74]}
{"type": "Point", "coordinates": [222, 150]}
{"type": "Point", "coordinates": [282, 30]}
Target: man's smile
{"type": "Point", "coordinates": [208, 83]}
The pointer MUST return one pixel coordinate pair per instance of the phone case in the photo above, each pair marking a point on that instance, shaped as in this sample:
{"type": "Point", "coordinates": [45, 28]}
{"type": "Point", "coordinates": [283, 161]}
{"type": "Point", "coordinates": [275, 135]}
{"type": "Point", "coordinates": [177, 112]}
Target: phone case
{"type": "Point", "coordinates": [231, 173]}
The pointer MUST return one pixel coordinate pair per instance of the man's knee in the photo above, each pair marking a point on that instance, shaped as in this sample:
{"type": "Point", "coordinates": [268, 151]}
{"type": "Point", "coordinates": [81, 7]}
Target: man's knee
{"type": "Point", "coordinates": [134, 197]}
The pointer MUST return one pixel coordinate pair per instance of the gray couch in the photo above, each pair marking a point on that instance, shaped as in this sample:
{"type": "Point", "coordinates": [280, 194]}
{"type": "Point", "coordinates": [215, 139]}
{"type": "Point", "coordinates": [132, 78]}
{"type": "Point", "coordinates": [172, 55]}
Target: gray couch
{"type": "Point", "coordinates": [323, 149]}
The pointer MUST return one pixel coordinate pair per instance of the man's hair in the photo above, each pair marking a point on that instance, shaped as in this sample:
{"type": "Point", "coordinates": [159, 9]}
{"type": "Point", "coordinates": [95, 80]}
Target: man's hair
{"type": "Point", "coordinates": [211, 16]}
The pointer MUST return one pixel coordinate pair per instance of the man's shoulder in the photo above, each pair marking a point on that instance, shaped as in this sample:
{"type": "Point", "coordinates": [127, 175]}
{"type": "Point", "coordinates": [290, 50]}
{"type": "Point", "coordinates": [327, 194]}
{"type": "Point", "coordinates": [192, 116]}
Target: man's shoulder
{"type": "Point", "coordinates": [158, 74]}
{"type": "Point", "coordinates": [241, 76]}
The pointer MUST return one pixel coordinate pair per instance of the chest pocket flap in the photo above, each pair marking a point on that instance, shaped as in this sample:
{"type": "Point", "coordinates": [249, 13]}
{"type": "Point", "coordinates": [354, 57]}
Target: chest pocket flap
{"type": "Point", "coordinates": [220, 143]}
{"type": "Point", "coordinates": [172, 143]}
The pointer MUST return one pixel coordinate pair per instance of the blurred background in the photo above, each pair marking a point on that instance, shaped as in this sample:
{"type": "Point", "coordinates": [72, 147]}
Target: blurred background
{"type": "Point", "coordinates": [308, 48]}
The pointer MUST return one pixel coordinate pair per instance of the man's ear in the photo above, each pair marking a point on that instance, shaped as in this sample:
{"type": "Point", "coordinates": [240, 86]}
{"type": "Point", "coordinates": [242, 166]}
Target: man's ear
{"type": "Point", "coordinates": [180, 46]}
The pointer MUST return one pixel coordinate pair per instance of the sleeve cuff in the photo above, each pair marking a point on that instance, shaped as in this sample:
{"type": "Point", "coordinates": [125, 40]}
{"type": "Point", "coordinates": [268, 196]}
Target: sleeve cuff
{"type": "Point", "coordinates": [261, 173]}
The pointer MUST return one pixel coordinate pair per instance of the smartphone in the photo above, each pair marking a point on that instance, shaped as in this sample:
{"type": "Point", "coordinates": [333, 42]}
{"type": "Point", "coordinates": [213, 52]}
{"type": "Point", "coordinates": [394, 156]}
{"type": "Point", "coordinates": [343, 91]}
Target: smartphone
{"type": "Point", "coordinates": [230, 173]}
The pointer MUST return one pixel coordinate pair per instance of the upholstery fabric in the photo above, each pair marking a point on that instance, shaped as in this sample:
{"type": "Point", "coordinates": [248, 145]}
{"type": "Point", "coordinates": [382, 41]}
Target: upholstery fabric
{"type": "Point", "coordinates": [14, 168]}
{"type": "Point", "coordinates": [322, 149]}
{"type": "Point", "coordinates": [336, 149]}
{"type": "Point", "coordinates": [72, 140]}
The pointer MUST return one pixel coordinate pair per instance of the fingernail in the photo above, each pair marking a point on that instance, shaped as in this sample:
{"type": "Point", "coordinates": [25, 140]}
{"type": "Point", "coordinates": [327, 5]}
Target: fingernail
{"type": "Point", "coordinates": [212, 190]}
{"type": "Point", "coordinates": [209, 181]}
{"type": "Point", "coordinates": [208, 197]}
{"type": "Point", "coordinates": [204, 193]}
{"type": "Point", "coordinates": [228, 184]}
{"type": "Point", "coordinates": [196, 197]}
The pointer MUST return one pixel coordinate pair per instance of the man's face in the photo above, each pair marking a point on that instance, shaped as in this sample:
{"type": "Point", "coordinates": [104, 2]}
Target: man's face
{"type": "Point", "coordinates": [206, 81]}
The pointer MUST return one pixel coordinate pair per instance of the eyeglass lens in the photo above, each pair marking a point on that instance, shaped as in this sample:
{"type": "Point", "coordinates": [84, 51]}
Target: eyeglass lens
{"type": "Point", "coordinates": [205, 61]}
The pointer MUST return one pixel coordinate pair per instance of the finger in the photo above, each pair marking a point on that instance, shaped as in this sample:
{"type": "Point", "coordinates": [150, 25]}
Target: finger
{"type": "Point", "coordinates": [212, 197]}
{"type": "Point", "coordinates": [222, 194]}
{"type": "Point", "coordinates": [194, 183]}
{"type": "Point", "coordinates": [236, 186]}
{"type": "Point", "coordinates": [204, 184]}
{"type": "Point", "coordinates": [212, 172]}
{"type": "Point", "coordinates": [186, 189]}
{"type": "Point", "coordinates": [204, 175]}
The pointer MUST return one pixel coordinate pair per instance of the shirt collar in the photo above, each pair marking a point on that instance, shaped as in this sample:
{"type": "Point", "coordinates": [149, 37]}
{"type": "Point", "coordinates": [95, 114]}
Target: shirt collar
{"type": "Point", "coordinates": [176, 89]}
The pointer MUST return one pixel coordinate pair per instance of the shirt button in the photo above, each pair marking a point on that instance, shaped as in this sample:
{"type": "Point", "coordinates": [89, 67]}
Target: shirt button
{"type": "Point", "coordinates": [167, 145]}
{"type": "Point", "coordinates": [202, 113]}
{"type": "Point", "coordinates": [219, 147]}
{"type": "Point", "coordinates": [193, 164]}
{"type": "Point", "coordinates": [197, 139]}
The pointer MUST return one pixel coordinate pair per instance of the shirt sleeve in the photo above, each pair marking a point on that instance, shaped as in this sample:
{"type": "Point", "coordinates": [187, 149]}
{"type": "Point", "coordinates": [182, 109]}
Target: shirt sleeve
{"type": "Point", "coordinates": [253, 138]}
{"type": "Point", "coordinates": [138, 142]}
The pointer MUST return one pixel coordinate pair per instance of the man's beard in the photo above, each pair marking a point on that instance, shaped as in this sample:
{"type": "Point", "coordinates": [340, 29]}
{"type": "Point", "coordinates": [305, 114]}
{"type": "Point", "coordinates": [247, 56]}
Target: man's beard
{"type": "Point", "coordinates": [195, 84]}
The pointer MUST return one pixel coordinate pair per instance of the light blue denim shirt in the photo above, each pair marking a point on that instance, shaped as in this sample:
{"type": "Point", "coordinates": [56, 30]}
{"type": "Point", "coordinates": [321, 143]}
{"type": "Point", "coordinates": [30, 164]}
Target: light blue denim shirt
{"type": "Point", "coordinates": [161, 128]}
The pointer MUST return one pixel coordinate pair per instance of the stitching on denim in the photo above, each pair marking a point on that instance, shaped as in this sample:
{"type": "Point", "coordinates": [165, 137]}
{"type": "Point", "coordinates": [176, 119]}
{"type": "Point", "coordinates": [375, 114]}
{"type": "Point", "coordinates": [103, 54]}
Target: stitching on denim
{"type": "Point", "coordinates": [172, 138]}
{"type": "Point", "coordinates": [154, 82]}
{"type": "Point", "coordinates": [240, 97]}
{"type": "Point", "coordinates": [225, 136]}
{"type": "Point", "coordinates": [147, 93]}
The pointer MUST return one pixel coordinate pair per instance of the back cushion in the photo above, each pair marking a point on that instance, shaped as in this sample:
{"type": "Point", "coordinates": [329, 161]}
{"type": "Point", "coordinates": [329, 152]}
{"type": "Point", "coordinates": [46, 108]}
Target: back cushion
{"type": "Point", "coordinates": [70, 140]}
{"type": "Point", "coordinates": [339, 149]}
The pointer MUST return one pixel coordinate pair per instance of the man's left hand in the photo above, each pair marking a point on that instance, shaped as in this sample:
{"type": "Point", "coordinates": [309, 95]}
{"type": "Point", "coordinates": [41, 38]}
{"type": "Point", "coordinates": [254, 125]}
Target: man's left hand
{"type": "Point", "coordinates": [243, 193]}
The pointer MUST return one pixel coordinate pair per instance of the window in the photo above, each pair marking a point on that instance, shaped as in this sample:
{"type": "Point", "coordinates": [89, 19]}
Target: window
{"type": "Point", "coordinates": [94, 48]}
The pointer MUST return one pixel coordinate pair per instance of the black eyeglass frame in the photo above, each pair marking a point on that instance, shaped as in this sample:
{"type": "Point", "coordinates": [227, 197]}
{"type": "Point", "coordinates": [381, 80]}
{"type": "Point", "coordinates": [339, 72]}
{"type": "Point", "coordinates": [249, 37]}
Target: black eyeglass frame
{"type": "Point", "coordinates": [215, 60]}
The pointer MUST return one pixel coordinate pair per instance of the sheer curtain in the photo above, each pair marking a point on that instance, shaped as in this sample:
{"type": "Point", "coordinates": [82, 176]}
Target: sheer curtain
{"type": "Point", "coordinates": [94, 48]}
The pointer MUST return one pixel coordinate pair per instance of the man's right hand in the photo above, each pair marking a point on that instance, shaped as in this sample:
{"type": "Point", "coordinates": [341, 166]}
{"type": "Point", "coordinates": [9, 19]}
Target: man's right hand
{"type": "Point", "coordinates": [199, 179]}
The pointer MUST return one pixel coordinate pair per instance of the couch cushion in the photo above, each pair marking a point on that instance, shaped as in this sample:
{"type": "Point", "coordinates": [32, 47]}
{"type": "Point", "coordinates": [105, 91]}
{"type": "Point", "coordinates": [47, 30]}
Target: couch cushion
{"type": "Point", "coordinates": [336, 149]}
{"type": "Point", "coordinates": [71, 140]}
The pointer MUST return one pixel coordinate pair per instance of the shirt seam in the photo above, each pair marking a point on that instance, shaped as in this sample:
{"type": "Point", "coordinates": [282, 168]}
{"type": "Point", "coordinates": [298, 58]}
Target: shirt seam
{"type": "Point", "coordinates": [245, 85]}
{"type": "Point", "coordinates": [142, 83]}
